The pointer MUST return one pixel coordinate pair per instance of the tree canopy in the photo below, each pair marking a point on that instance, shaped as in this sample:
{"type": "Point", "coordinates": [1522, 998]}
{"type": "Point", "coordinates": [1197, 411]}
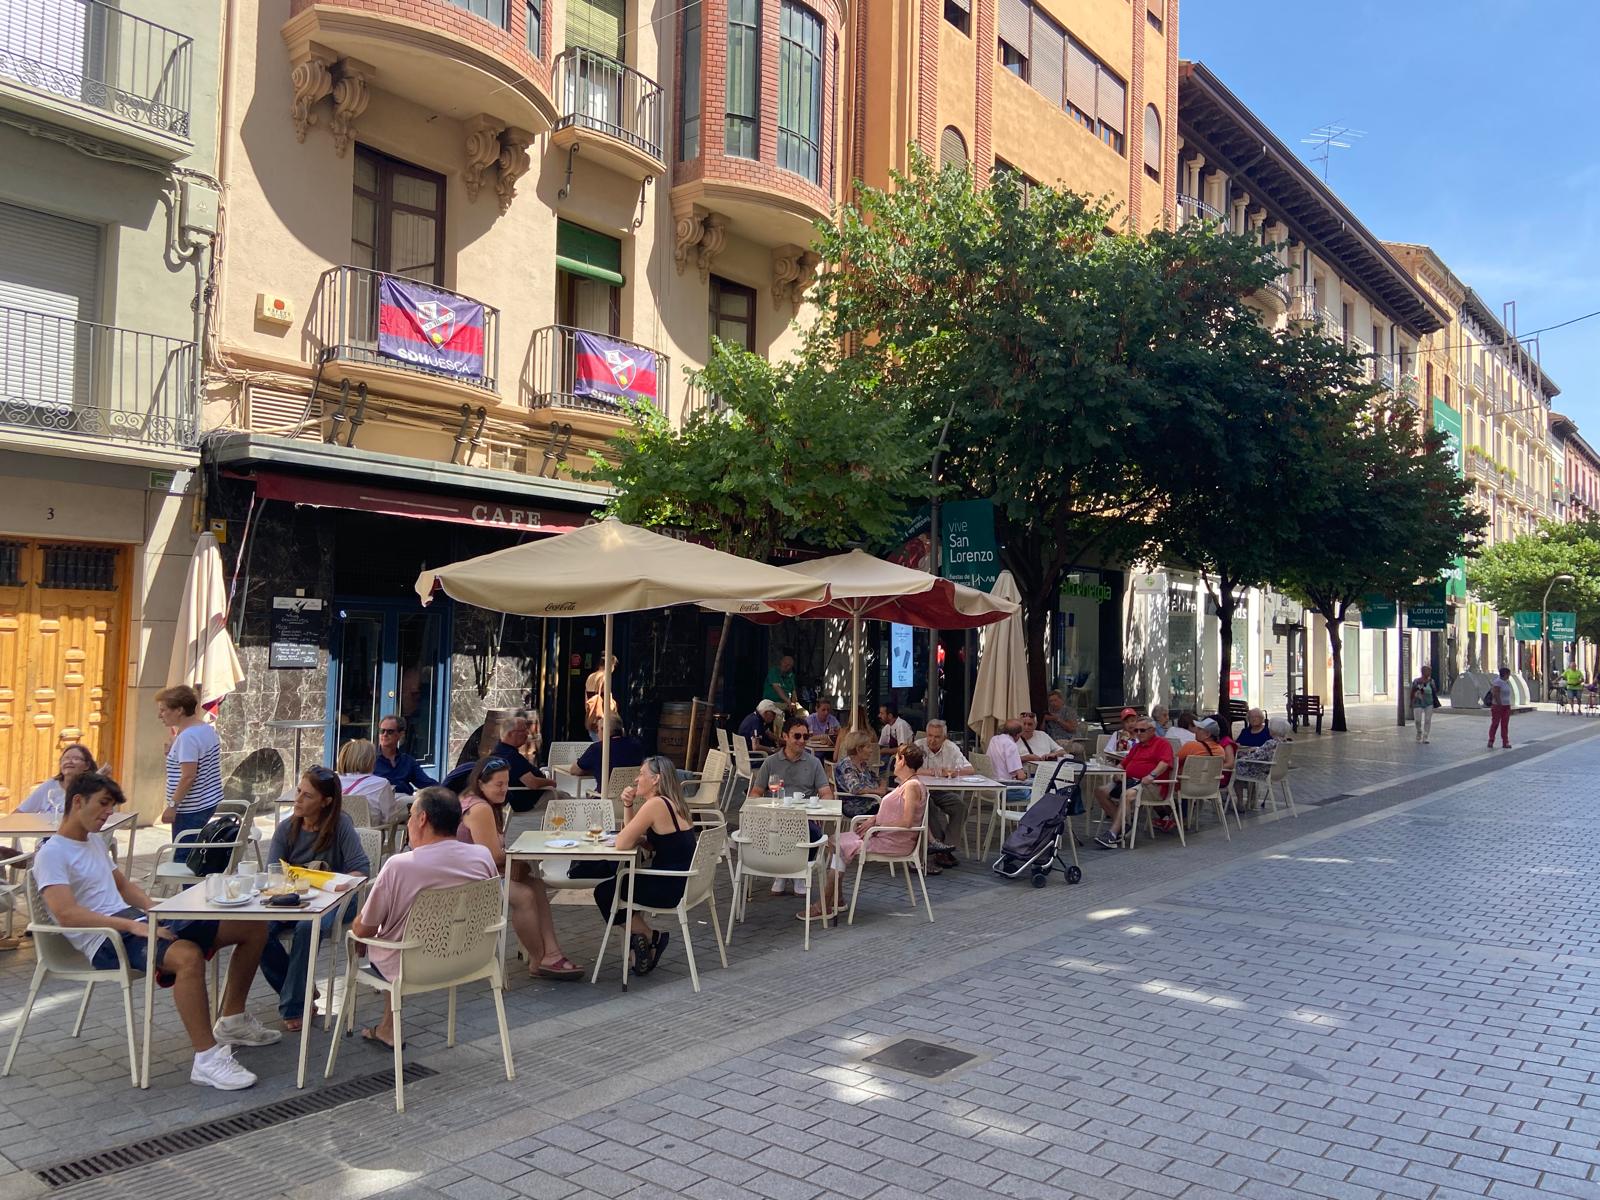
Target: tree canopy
{"type": "Point", "coordinates": [1513, 575]}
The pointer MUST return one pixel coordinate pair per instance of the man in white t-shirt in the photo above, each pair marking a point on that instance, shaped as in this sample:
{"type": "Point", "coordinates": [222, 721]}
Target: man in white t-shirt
{"type": "Point", "coordinates": [88, 895]}
{"type": "Point", "coordinates": [1034, 743]}
{"type": "Point", "coordinates": [947, 807]}
{"type": "Point", "coordinates": [1005, 756]}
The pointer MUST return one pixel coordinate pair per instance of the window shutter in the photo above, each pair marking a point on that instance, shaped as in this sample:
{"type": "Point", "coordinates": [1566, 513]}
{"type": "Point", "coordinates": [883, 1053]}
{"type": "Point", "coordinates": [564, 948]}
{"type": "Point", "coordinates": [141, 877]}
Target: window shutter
{"type": "Point", "coordinates": [596, 25]}
{"type": "Point", "coordinates": [1156, 8]}
{"type": "Point", "coordinates": [1049, 50]}
{"type": "Point", "coordinates": [49, 264]}
{"type": "Point", "coordinates": [964, 5]}
{"type": "Point", "coordinates": [1081, 71]}
{"type": "Point", "coordinates": [1014, 25]}
{"type": "Point", "coordinates": [581, 251]}
{"type": "Point", "coordinates": [1110, 100]}
{"type": "Point", "coordinates": [1152, 138]}
{"type": "Point", "coordinates": [952, 148]}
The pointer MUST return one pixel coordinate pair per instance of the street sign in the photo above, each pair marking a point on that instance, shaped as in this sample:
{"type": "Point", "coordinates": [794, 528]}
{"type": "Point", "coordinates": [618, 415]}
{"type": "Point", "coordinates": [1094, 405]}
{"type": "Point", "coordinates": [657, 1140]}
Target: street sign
{"type": "Point", "coordinates": [1527, 626]}
{"type": "Point", "coordinates": [1563, 627]}
{"type": "Point", "coordinates": [1378, 612]}
{"type": "Point", "coordinates": [970, 555]}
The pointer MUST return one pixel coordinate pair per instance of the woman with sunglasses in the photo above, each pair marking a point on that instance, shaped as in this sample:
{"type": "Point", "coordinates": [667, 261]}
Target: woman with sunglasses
{"type": "Point", "coordinates": [654, 814]}
{"type": "Point", "coordinates": [317, 833]}
{"type": "Point", "coordinates": [51, 795]}
{"type": "Point", "coordinates": [483, 823]}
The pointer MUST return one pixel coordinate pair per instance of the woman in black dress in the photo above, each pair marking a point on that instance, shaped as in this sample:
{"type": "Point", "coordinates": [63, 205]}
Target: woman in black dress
{"type": "Point", "coordinates": [654, 814]}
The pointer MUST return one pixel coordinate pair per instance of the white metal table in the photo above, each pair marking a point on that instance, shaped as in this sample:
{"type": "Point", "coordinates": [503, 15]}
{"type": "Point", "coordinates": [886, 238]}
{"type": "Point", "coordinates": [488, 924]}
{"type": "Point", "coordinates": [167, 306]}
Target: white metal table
{"type": "Point", "coordinates": [191, 905]}
{"type": "Point", "coordinates": [534, 844]}
{"type": "Point", "coordinates": [42, 825]}
{"type": "Point", "coordinates": [982, 785]}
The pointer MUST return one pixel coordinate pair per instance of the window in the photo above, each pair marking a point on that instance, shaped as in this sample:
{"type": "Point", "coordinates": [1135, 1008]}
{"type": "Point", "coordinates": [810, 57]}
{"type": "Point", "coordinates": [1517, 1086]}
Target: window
{"type": "Point", "coordinates": [535, 24]}
{"type": "Point", "coordinates": [1014, 38]}
{"type": "Point", "coordinates": [1047, 57]}
{"type": "Point", "coordinates": [398, 218]}
{"type": "Point", "coordinates": [493, 11]}
{"type": "Point", "coordinates": [952, 149]}
{"type": "Point", "coordinates": [1152, 142]}
{"type": "Point", "coordinates": [588, 279]}
{"type": "Point", "coordinates": [689, 51]}
{"type": "Point", "coordinates": [1154, 10]}
{"type": "Point", "coordinates": [1096, 98]}
{"type": "Point", "coordinates": [1025, 182]}
{"type": "Point", "coordinates": [800, 91]}
{"type": "Point", "coordinates": [597, 25]}
{"type": "Point", "coordinates": [959, 14]}
{"type": "Point", "coordinates": [733, 313]}
{"type": "Point", "coordinates": [744, 78]}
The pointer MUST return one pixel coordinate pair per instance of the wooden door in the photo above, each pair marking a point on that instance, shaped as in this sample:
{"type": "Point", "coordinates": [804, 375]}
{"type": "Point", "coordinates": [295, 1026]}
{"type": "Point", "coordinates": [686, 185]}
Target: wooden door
{"type": "Point", "coordinates": [61, 617]}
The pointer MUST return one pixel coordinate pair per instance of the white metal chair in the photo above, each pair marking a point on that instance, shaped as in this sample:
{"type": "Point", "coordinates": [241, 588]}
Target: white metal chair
{"type": "Point", "coordinates": [773, 844]}
{"type": "Point", "coordinates": [1200, 784]}
{"type": "Point", "coordinates": [699, 888]}
{"type": "Point", "coordinates": [581, 815]}
{"type": "Point", "coordinates": [1278, 779]}
{"type": "Point", "coordinates": [358, 810]}
{"type": "Point", "coordinates": [452, 937]}
{"type": "Point", "coordinates": [724, 741]}
{"type": "Point", "coordinates": [11, 893]}
{"type": "Point", "coordinates": [714, 818]}
{"type": "Point", "coordinates": [708, 786]}
{"type": "Point", "coordinates": [55, 955]}
{"type": "Point", "coordinates": [564, 754]}
{"type": "Point", "coordinates": [167, 875]}
{"type": "Point", "coordinates": [743, 769]}
{"type": "Point", "coordinates": [617, 782]}
{"type": "Point", "coordinates": [372, 846]}
{"type": "Point", "coordinates": [912, 862]}
{"type": "Point", "coordinates": [1148, 797]}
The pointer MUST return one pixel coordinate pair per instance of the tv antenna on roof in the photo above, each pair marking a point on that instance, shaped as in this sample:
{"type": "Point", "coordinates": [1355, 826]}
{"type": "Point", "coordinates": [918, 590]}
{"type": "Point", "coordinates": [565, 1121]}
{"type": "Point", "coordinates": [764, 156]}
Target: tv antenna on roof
{"type": "Point", "coordinates": [1327, 139]}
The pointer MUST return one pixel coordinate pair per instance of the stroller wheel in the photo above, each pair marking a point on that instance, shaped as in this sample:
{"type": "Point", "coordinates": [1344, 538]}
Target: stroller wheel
{"type": "Point", "coordinates": [1040, 878]}
{"type": "Point", "coordinates": [1074, 874]}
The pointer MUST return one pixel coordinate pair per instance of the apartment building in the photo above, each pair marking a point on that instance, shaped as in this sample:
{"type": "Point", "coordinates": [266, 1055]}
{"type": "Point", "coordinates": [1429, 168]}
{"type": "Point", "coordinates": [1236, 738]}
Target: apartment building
{"type": "Point", "coordinates": [461, 238]}
{"type": "Point", "coordinates": [107, 207]}
{"type": "Point", "coordinates": [1576, 495]}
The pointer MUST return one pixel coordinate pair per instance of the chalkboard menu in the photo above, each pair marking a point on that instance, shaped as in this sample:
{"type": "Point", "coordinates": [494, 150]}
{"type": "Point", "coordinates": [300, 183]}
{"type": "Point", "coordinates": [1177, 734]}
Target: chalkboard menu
{"type": "Point", "coordinates": [297, 629]}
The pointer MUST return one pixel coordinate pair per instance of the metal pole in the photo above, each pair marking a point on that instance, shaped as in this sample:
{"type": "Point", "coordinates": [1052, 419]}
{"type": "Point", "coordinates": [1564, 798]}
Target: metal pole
{"type": "Point", "coordinates": [1401, 693]}
{"type": "Point", "coordinates": [935, 554]}
{"type": "Point", "coordinates": [605, 713]}
{"type": "Point", "coordinates": [855, 671]}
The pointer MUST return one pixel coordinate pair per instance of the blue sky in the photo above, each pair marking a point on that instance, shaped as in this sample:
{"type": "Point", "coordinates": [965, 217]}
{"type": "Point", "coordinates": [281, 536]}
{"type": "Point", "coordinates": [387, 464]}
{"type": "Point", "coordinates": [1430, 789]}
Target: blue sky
{"type": "Point", "coordinates": [1480, 139]}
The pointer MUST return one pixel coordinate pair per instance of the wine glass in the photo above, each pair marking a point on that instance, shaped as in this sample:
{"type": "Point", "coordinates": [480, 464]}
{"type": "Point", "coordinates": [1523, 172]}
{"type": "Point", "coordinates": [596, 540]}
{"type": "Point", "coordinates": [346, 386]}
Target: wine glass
{"type": "Point", "coordinates": [558, 821]}
{"type": "Point", "coordinates": [775, 788]}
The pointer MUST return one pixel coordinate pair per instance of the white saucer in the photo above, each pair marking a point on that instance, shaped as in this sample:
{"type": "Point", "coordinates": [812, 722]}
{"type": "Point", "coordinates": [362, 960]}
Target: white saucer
{"type": "Point", "coordinates": [237, 902]}
{"type": "Point", "coordinates": [561, 843]}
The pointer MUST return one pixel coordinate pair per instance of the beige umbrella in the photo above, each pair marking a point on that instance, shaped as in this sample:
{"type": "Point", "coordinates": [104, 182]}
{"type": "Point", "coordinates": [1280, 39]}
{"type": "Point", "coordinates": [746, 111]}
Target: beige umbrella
{"type": "Point", "coordinates": [1001, 689]}
{"type": "Point", "coordinates": [202, 652]}
{"type": "Point", "coordinates": [863, 587]}
{"type": "Point", "coordinates": [608, 568]}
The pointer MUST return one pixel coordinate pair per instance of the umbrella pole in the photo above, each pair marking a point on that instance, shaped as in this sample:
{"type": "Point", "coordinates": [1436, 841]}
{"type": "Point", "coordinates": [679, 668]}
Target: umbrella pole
{"type": "Point", "coordinates": [855, 671]}
{"type": "Point", "coordinates": [605, 713]}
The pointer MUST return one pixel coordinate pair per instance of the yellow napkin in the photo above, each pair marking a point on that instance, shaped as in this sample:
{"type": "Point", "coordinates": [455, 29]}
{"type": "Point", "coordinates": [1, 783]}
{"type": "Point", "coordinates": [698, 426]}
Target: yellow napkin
{"type": "Point", "coordinates": [317, 879]}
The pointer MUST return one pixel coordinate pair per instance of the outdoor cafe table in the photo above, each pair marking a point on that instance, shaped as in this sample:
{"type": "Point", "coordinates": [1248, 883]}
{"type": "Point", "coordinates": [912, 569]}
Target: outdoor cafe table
{"type": "Point", "coordinates": [992, 789]}
{"type": "Point", "coordinates": [534, 844]}
{"type": "Point", "coordinates": [191, 905]}
{"type": "Point", "coordinates": [19, 825]}
{"type": "Point", "coordinates": [1112, 772]}
{"type": "Point", "coordinates": [825, 812]}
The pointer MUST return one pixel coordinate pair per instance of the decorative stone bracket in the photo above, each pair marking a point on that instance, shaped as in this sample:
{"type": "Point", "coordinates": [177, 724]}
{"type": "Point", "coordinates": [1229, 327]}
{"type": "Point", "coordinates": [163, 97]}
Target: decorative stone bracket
{"type": "Point", "coordinates": [493, 145]}
{"type": "Point", "coordinates": [699, 238]}
{"type": "Point", "coordinates": [318, 75]}
{"type": "Point", "coordinates": [793, 272]}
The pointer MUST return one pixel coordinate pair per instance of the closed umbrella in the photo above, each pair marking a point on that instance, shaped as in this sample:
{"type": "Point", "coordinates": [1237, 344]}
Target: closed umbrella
{"type": "Point", "coordinates": [862, 587]}
{"type": "Point", "coordinates": [1001, 689]}
{"type": "Point", "coordinates": [608, 568]}
{"type": "Point", "coordinates": [203, 655]}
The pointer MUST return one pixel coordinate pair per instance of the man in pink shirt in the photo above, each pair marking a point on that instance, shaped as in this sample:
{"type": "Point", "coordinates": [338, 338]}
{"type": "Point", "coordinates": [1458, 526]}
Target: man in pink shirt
{"type": "Point", "coordinates": [436, 860]}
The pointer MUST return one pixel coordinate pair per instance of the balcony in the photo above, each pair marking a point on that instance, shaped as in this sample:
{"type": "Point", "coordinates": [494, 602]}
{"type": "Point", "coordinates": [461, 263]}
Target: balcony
{"type": "Point", "coordinates": [85, 65]}
{"type": "Point", "coordinates": [613, 375]}
{"type": "Point", "coordinates": [609, 112]}
{"type": "Point", "coordinates": [1477, 380]}
{"type": "Point", "coordinates": [1303, 304]}
{"type": "Point", "coordinates": [344, 329]}
{"type": "Point", "coordinates": [76, 380]}
{"type": "Point", "coordinates": [444, 55]}
{"type": "Point", "coordinates": [1192, 209]}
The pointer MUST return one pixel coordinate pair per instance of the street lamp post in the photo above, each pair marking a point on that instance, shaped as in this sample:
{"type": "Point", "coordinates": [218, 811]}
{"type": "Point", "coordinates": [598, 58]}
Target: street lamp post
{"type": "Point", "coordinates": [935, 554]}
{"type": "Point", "coordinates": [1544, 635]}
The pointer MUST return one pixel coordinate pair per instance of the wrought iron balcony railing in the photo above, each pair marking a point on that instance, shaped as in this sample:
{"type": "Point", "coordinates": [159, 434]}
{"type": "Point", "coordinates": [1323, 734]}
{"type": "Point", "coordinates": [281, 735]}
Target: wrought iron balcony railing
{"type": "Point", "coordinates": [602, 376]}
{"type": "Point", "coordinates": [80, 379]}
{"type": "Point", "coordinates": [97, 55]}
{"type": "Point", "coordinates": [597, 92]}
{"type": "Point", "coordinates": [1303, 302]}
{"type": "Point", "coordinates": [1192, 208]}
{"type": "Point", "coordinates": [344, 322]}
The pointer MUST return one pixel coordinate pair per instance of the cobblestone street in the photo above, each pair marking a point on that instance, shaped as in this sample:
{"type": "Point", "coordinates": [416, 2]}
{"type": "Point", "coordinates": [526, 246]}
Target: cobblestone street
{"type": "Point", "coordinates": [1392, 995]}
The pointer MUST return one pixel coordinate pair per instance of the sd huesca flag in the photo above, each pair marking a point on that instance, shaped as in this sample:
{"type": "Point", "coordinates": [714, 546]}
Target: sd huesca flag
{"type": "Point", "coordinates": [430, 329]}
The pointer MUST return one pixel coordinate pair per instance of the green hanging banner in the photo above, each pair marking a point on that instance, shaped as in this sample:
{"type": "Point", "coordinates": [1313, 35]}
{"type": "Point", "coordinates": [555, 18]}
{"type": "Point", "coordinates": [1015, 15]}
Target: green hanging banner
{"type": "Point", "coordinates": [1378, 612]}
{"type": "Point", "coordinates": [1526, 626]}
{"type": "Point", "coordinates": [971, 554]}
{"type": "Point", "coordinates": [1563, 627]}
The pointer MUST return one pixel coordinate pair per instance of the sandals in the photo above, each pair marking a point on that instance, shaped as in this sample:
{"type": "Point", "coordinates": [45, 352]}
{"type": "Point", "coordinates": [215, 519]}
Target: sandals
{"type": "Point", "coordinates": [370, 1036]}
{"type": "Point", "coordinates": [563, 969]}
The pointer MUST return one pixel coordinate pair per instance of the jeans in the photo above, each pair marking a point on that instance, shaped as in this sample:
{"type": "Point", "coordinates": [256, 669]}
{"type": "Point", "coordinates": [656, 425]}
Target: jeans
{"type": "Point", "coordinates": [1500, 718]}
{"type": "Point", "coordinates": [947, 814]}
{"type": "Point", "coordinates": [1422, 718]}
{"type": "Point", "coordinates": [284, 969]}
{"type": "Point", "coordinates": [185, 821]}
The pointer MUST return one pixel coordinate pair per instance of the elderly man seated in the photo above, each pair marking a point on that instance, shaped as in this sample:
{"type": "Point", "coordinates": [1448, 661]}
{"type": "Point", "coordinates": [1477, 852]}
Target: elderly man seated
{"type": "Point", "coordinates": [1033, 743]}
{"type": "Point", "coordinates": [756, 728]}
{"type": "Point", "coordinates": [947, 807]}
{"type": "Point", "coordinates": [1005, 756]}
{"type": "Point", "coordinates": [1059, 721]}
{"type": "Point", "coordinates": [1151, 763]}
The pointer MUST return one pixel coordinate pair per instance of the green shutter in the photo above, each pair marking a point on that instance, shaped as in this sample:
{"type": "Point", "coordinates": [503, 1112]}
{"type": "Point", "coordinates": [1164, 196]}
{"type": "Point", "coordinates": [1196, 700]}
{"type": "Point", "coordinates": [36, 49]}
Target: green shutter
{"type": "Point", "coordinates": [581, 251]}
{"type": "Point", "coordinates": [596, 25]}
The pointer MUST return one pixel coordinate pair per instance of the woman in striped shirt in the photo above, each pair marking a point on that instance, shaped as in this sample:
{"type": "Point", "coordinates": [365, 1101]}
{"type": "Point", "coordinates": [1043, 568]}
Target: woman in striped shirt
{"type": "Point", "coordinates": [194, 761]}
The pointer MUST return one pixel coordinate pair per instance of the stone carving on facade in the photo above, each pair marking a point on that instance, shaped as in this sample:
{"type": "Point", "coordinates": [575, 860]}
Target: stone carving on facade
{"type": "Point", "coordinates": [349, 102]}
{"type": "Point", "coordinates": [699, 238]}
{"type": "Point", "coordinates": [514, 163]}
{"type": "Point", "coordinates": [312, 81]}
{"type": "Point", "coordinates": [483, 151]}
{"type": "Point", "coordinates": [794, 270]}
{"type": "Point", "coordinates": [319, 75]}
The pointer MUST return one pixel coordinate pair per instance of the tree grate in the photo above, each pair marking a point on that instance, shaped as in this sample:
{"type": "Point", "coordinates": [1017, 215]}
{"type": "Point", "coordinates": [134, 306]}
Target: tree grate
{"type": "Point", "coordinates": [194, 1137]}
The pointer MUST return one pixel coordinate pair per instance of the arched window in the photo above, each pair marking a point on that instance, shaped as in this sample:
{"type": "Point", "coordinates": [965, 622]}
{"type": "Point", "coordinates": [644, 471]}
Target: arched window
{"type": "Point", "coordinates": [1152, 142]}
{"type": "Point", "coordinates": [952, 148]}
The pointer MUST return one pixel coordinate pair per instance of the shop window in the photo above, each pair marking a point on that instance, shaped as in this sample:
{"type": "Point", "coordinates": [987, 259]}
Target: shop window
{"type": "Point", "coordinates": [743, 114]}
{"type": "Point", "coordinates": [800, 91]}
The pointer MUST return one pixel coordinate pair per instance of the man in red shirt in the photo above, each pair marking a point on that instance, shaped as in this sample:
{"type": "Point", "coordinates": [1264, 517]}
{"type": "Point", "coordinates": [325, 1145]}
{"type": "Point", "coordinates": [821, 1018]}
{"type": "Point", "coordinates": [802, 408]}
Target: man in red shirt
{"type": "Point", "coordinates": [1150, 763]}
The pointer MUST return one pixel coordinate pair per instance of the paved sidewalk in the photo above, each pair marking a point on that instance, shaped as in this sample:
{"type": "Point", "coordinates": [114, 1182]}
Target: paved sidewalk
{"type": "Point", "coordinates": [1244, 1017]}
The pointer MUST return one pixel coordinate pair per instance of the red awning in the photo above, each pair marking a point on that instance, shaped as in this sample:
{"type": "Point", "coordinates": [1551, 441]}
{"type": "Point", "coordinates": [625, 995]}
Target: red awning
{"type": "Point", "coordinates": [483, 512]}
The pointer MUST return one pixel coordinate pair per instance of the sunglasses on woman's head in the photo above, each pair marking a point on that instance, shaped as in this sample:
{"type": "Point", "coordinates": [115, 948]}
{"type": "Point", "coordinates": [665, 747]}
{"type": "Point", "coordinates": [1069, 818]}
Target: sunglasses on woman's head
{"type": "Point", "coordinates": [494, 764]}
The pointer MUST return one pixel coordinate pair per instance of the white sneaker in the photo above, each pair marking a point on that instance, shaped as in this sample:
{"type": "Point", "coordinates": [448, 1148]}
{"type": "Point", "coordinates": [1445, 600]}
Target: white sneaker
{"type": "Point", "coordinates": [242, 1029]}
{"type": "Point", "coordinates": [802, 887]}
{"type": "Point", "coordinates": [218, 1068]}
{"type": "Point", "coordinates": [780, 886]}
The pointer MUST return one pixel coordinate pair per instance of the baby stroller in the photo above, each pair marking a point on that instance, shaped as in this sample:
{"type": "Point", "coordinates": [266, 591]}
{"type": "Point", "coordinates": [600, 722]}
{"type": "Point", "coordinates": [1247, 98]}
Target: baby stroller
{"type": "Point", "coordinates": [1036, 844]}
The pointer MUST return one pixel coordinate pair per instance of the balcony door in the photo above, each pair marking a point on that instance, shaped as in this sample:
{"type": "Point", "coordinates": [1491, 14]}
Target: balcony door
{"type": "Point", "coordinates": [595, 32]}
{"type": "Point", "coordinates": [49, 291]}
{"type": "Point", "coordinates": [397, 227]}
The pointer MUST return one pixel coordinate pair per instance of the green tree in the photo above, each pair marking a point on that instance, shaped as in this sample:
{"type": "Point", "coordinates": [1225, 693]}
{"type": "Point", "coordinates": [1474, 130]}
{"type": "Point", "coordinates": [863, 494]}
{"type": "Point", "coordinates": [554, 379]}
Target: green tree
{"type": "Point", "coordinates": [1054, 345]}
{"type": "Point", "coordinates": [1513, 575]}
{"type": "Point", "coordinates": [1393, 511]}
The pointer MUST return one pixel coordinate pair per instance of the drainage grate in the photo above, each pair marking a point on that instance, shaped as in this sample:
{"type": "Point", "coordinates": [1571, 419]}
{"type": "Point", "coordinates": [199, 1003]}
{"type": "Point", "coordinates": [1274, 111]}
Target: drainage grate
{"type": "Point", "coordinates": [921, 1058]}
{"type": "Point", "coordinates": [181, 1141]}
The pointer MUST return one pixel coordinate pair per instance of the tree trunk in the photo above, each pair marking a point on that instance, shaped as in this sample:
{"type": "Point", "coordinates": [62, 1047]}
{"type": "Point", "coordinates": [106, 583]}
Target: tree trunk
{"type": "Point", "coordinates": [716, 666]}
{"type": "Point", "coordinates": [1336, 649]}
{"type": "Point", "coordinates": [1227, 605]}
{"type": "Point", "coordinates": [1035, 624]}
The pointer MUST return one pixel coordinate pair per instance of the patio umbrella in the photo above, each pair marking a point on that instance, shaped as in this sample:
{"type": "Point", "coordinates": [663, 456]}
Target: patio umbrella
{"type": "Point", "coordinates": [609, 568]}
{"type": "Point", "coordinates": [202, 652]}
{"type": "Point", "coordinates": [1001, 689]}
{"type": "Point", "coordinates": [862, 587]}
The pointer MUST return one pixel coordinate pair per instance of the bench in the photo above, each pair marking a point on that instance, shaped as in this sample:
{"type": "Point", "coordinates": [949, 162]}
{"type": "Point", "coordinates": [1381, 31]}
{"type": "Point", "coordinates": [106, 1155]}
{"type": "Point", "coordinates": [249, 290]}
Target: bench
{"type": "Point", "coordinates": [1303, 709]}
{"type": "Point", "coordinates": [1110, 715]}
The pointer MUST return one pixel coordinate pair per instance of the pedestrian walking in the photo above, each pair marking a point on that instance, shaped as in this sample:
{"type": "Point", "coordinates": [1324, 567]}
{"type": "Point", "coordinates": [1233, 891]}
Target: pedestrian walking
{"type": "Point", "coordinates": [1424, 699]}
{"type": "Point", "coordinates": [1500, 697]}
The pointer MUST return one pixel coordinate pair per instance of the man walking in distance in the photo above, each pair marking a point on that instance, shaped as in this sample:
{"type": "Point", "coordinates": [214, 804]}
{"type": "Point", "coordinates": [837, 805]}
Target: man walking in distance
{"type": "Point", "coordinates": [1500, 697]}
{"type": "Point", "coordinates": [1424, 699]}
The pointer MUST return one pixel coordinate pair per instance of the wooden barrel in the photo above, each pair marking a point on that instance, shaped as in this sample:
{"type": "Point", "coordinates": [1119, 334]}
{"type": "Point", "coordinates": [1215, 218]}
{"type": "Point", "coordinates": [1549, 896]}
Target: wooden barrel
{"type": "Point", "coordinates": [672, 731]}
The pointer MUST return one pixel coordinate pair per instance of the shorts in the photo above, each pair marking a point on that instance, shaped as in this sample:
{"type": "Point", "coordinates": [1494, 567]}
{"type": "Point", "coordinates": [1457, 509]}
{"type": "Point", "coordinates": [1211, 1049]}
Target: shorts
{"type": "Point", "coordinates": [137, 945]}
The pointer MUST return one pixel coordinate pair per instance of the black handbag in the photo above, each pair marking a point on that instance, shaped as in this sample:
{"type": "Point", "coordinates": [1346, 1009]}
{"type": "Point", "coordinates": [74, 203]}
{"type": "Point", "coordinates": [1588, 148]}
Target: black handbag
{"type": "Point", "coordinates": [219, 829]}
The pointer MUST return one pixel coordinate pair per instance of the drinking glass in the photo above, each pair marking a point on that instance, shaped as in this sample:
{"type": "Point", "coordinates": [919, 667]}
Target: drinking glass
{"type": "Point", "coordinates": [595, 830]}
{"type": "Point", "coordinates": [558, 821]}
{"type": "Point", "coordinates": [775, 788]}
